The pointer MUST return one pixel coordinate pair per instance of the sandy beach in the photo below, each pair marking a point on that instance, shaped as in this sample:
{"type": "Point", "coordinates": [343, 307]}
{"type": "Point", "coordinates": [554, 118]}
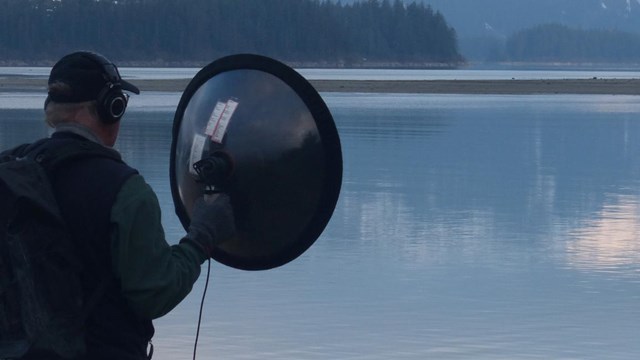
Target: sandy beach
{"type": "Point", "coordinates": [515, 86]}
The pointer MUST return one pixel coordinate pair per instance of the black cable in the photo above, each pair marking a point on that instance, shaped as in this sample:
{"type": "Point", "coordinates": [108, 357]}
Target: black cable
{"type": "Point", "coordinates": [204, 293]}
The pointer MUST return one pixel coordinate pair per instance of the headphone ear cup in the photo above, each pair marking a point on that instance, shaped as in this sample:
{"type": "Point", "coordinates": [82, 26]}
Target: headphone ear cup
{"type": "Point", "coordinates": [111, 105]}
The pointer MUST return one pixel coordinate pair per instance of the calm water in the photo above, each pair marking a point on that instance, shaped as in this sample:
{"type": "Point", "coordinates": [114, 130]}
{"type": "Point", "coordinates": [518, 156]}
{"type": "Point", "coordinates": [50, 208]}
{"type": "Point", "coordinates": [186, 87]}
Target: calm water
{"type": "Point", "coordinates": [371, 74]}
{"type": "Point", "coordinates": [469, 227]}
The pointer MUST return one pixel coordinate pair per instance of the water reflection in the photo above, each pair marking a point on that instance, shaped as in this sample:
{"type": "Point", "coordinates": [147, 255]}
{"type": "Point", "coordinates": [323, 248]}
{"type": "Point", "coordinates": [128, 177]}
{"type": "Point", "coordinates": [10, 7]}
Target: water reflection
{"type": "Point", "coordinates": [487, 170]}
{"type": "Point", "coordinates": [610, 240]}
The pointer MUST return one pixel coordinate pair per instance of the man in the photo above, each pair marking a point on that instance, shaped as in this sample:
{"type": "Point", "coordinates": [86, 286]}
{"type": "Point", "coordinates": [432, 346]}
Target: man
{"type": "Point", "coordinates": [114, 215]}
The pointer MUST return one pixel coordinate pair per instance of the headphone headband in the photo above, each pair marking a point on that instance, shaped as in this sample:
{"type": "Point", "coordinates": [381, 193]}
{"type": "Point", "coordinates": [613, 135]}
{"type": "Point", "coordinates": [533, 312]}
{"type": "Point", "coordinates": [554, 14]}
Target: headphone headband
{"type": "Point", "coordinates": [91, 76]}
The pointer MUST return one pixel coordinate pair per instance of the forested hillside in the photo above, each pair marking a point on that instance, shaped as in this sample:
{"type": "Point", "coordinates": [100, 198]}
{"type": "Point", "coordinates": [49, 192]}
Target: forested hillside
{"type": "Point", "coordinates": [559, 43]}
{"type": "Point", "coordinates": [166, 32]}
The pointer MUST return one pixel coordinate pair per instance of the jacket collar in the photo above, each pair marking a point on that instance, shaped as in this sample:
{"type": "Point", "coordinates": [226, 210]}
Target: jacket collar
{"type": "Point", "coordinates": [78, 130]}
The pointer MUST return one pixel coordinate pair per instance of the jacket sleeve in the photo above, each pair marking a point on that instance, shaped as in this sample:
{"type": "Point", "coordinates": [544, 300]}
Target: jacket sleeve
{"type": "Point", "coordinates": [154, 276]}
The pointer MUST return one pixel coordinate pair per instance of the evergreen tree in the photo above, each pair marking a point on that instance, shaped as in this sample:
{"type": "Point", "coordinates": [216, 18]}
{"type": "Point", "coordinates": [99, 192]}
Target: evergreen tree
{"type": "Point", "coordinates": [168, 31]}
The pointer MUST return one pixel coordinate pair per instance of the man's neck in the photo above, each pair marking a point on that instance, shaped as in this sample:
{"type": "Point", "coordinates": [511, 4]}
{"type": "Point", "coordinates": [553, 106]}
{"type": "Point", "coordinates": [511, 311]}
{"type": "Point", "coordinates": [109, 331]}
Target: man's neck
{"type": "Point", "coordinates": [79, 129]}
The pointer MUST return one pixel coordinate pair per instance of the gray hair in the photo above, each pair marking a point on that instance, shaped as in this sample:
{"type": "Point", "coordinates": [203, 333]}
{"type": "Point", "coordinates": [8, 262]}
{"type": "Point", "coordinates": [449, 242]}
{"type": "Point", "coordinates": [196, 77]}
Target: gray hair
{"type": "Point", "coordinates": [58, 113]}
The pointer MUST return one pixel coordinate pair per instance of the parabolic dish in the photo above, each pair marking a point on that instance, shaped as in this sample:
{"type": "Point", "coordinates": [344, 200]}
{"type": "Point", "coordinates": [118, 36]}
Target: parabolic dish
{"type": "Point", "coordinates": [274, 148]}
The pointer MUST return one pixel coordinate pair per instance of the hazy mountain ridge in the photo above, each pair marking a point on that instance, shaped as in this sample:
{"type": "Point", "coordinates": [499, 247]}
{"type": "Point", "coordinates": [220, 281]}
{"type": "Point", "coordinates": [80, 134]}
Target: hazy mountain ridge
{"type": "Point", "coordinates": [502, 18]}
{"type": "Point", "coordinates": [484, 26]}
{"type": "Point", "coordinates": [472, 18]}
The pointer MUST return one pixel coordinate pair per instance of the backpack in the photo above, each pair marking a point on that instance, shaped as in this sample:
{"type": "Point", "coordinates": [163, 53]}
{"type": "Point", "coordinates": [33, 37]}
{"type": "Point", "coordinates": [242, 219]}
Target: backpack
{"type": "Point", "coordinates": [42, 305]}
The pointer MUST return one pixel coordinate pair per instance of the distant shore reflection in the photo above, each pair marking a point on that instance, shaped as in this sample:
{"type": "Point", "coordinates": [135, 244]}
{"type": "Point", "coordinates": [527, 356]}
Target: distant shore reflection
{"type": "Point", "coordinates": [610, 241]}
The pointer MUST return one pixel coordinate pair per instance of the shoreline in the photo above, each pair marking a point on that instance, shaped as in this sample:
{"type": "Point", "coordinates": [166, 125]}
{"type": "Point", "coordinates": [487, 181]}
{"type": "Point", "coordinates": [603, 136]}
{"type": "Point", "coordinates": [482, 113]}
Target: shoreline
{"type": "Point", "coordinates": [499, 87]}
{"type": "Point", "coordinates": [496, 87]}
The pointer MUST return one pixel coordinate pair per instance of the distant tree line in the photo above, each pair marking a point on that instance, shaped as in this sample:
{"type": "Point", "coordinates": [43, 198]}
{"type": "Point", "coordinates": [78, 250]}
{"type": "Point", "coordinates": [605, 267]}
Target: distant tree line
{"type": "Point", "coordinates": [554, 42]}
{"type": "Point", "coordinates": [191, 31]}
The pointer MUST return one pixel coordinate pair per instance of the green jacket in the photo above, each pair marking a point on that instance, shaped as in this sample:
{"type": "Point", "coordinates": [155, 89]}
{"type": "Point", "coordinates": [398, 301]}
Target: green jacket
{"type": "Point", "coordinates": [154, 275]}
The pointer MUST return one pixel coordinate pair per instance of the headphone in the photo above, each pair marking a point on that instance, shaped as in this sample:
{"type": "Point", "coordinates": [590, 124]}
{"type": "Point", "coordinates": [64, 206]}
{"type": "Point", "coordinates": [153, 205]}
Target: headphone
{"type": "Point", "coordinates": [111, 101]}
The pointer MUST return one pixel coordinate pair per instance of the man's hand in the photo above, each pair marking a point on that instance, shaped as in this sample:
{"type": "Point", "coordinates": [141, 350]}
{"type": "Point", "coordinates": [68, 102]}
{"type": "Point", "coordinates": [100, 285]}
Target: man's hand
{"type": "Point", "coordinates": [212, 222]}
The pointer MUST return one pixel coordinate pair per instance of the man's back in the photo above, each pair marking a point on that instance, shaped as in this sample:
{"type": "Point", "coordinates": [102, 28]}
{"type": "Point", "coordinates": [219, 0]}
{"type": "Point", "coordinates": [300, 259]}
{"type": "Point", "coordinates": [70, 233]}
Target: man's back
{"type": "Point", "coordinates": [86, 190]}
{"type": "Point", "coordinates": [61, 257]}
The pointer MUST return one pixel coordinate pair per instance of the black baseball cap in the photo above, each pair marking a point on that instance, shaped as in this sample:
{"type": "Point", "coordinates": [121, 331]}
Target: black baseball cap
{"type": "Point", "coordinates": [87, 74]}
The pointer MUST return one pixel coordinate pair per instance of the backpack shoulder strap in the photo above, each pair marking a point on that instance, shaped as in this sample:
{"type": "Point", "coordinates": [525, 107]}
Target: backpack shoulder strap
{"type": "Point", "coordinates": [16, 152]}
{"type": "Point", "coordinates": [53, 153]}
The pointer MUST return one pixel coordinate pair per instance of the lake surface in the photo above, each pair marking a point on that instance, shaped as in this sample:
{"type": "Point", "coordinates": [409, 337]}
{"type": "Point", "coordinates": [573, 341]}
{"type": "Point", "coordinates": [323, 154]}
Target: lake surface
{"type": "Point", "coordinates": [468, 227]}
{"type": "Point", "coordinates": [371, 74]}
